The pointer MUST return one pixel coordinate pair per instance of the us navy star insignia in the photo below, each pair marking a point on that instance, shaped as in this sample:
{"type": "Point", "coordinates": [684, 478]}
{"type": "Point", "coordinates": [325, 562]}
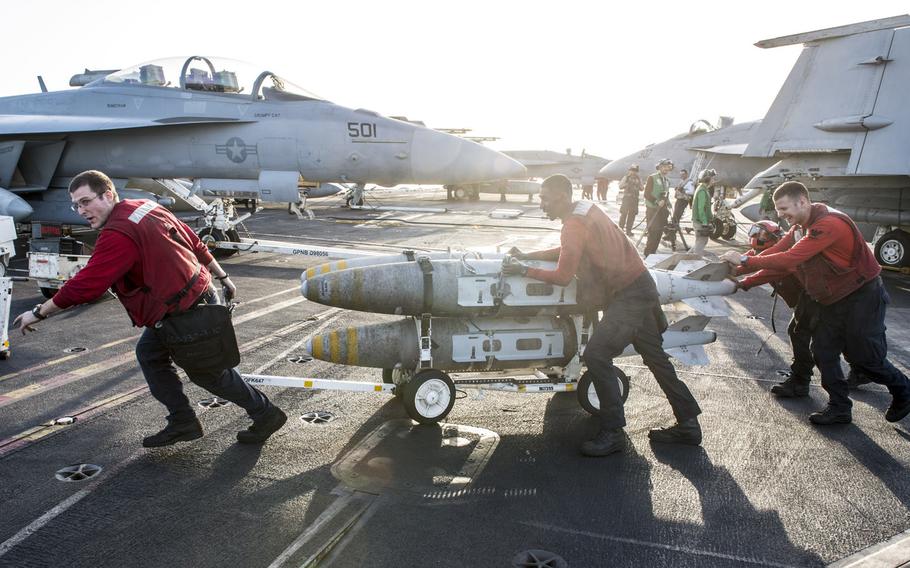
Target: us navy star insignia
{"type": "Point", "coordinates": [236, 150]}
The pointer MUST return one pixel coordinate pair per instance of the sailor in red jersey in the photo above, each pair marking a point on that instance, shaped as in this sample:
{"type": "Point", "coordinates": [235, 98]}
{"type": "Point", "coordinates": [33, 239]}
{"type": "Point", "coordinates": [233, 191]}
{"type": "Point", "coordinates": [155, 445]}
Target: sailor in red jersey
{"type": "Point", "coordinates": [827, 254]}
{"type": "Point", "coordinates": [156, 266]}
{"type": "Point", "coordinates": [611, 276]}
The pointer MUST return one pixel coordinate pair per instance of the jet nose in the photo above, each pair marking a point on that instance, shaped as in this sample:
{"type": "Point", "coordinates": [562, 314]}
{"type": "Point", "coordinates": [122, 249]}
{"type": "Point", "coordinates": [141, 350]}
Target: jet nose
{"type": "Point", "coordinates": [14, 206]}
{"type": "Point", "coordinates": [437, 157]}
{"type": "Point", "coordinates": [614, 170]}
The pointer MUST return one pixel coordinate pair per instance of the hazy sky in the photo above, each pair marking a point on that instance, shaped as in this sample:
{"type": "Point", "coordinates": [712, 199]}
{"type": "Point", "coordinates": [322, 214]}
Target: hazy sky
{"type": "Point", "coordinates": [607, 77]}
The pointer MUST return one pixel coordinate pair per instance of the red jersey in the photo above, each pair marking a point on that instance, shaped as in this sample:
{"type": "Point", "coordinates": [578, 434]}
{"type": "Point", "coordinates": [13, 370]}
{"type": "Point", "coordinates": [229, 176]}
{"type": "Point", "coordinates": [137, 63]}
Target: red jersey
{"type": "Point", "coordinates": [595, 249]}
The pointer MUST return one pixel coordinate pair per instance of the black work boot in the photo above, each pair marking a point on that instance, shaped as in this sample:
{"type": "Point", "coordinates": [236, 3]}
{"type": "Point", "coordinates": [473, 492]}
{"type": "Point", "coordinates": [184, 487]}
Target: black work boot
{"type": "Point", "coordinates": [831, 415]}
{"type": "Point", "coordinates": [856, 379]}
{"type": "Point", "coordinates": [174, 432]}
{"type": "Point", "coordinates": [793, 387]}
{"type": "Point", "coordinates": [260, 430]}
{"type": "Point", "coordinates": [685, 432]}
{"type": "Point", "coordinates": [899, 409]}
{"type": "Point", "coordinates": [606, 442]}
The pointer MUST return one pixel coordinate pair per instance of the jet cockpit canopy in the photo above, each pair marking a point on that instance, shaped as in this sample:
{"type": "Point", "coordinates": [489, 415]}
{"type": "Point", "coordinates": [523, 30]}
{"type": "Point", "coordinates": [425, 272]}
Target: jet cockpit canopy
{"type": "Point", "coordinates": [211, 75]}
{"type": "Point", "coordinates": [701, 126]}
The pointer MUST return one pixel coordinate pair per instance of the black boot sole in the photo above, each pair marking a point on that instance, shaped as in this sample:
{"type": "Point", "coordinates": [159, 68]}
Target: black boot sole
{"type": "Point", "coordinates": [831, 421]}
{"type": "Point", "coordinates": [189, 436]}
{"type": "Point", "coordinates": [601, 452]}
{"type": "Point", "coordinates": [677, 441]}
{"type": "Point", "coordinates": [247, 437]}
{"type": "Point", "coordinates": [899, 415]}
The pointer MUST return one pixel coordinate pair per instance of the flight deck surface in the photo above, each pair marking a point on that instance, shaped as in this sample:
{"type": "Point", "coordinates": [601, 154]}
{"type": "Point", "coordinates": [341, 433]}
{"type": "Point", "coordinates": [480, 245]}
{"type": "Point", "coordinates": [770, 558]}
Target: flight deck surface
{"type": "Point", "coordinates": [362, 485]}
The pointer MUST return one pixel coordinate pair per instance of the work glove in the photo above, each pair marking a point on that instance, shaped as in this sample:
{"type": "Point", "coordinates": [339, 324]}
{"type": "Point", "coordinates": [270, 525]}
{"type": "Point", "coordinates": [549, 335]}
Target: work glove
{"type": "Point", "coordinates": [513, 267]}
{"type": "Point", "coordinates": [517, 253]}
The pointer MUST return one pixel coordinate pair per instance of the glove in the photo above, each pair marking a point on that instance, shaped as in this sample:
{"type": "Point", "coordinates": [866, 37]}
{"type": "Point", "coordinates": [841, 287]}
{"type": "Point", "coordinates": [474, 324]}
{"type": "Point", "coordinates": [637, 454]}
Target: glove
{"type": "Point", "coordinates": [512, 267]}
{"type": "Point", "coordinates": [517, 253]}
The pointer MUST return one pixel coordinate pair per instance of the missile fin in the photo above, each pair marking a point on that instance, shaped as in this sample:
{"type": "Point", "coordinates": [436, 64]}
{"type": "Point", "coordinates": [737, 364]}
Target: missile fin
{"type": "Point", "coordinates": [690, 323]}
{"type": "Point", "coordinates": [713, 272]}
{"type": "Point", "coordinates": [689, 354]}
{"type": "Point", "coordinates": [711, 306]}
{"type": "Point", "coordinates": [669, 262]}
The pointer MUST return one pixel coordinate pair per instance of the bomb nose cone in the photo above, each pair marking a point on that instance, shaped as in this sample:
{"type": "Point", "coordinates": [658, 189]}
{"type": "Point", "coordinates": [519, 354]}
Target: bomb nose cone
{"type": "Point", "coordinates": [437, 157]}
{"type": "Point", "coordinates": [304, 286]}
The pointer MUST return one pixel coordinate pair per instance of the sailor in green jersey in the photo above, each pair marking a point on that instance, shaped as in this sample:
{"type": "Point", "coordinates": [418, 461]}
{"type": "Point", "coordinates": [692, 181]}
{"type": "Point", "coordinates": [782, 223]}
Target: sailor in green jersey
{"type": "Point", "coordinates": [702, 216]}
{"type": "Point", "coordinates": [656, 209]}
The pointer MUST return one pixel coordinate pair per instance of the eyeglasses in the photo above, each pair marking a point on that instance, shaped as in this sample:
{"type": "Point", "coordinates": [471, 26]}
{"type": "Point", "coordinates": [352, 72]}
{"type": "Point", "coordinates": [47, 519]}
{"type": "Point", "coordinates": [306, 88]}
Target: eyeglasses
{"type": "Point", "coordinates": [82, 203]}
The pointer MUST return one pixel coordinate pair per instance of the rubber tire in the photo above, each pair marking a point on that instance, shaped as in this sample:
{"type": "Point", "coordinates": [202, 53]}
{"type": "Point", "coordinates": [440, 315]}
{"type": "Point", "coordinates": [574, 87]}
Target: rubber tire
{"type": "Point", "coordinates": [729, 232]}
{"type": "Point", "coordinates": [231, 235]}
{"type": "Point", "coordinates": [459, 194]}
{"type": "Point", "coordinates": [411, 390]}
{"type": "Point", "coordinates": [898, 242]}
{"type": "Point", "coordinates": [586, 390]}
{"type": "Point", "coordinates": [47, 292]}
{"type": "Point", "coordinates": [717, 230]}
{"type": "Point", "coordinates": [4, 355]}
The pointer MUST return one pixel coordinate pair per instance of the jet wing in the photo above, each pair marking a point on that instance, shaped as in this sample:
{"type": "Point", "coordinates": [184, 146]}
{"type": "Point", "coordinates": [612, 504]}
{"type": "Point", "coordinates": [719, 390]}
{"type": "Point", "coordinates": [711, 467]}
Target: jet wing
{"type": "Point", "coordinates": [24, 124]}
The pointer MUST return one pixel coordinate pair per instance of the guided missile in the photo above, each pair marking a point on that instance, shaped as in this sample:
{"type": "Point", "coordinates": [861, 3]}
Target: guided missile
{"type": "Point", "coordinates": [404, 256]}
{"type": "Point", "coordinates": [459, 287]}
{"type": "Point", "coordinates": [478, 344]}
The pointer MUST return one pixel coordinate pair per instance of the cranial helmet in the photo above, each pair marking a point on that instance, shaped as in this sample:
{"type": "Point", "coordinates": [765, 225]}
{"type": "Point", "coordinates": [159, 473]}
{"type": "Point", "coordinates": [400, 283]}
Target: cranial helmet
{"type": "Point", "coordinates": [705, 175]}
{"type": "Point", "coordinates": [665, 162]}
{"type": "Point", "coordinates": [764, 234]}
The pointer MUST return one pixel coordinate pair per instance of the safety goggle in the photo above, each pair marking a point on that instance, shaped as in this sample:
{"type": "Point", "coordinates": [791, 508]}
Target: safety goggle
{"type": "Point", "coordinates": [756, 230]}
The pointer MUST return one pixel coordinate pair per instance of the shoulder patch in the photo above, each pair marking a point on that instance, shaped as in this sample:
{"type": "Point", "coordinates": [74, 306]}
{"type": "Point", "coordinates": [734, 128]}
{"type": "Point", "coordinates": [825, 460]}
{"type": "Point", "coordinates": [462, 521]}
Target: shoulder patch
{"type": "Point", "coordinates": [142, 211]}
{"type": "Point", "coordinates": [815, 233]}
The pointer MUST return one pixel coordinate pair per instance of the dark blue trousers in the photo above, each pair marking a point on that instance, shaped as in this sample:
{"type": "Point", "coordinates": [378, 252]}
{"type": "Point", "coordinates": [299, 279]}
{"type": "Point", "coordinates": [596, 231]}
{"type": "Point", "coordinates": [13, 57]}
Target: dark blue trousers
{"type": "Point", "coordinates": [855, 326]}
{"type": "Point", "coordinates": [634, 317]}
{"type": "Point", "coordinates": [804, 320]}
{"type": "Point", "coordinates": [164, 384]}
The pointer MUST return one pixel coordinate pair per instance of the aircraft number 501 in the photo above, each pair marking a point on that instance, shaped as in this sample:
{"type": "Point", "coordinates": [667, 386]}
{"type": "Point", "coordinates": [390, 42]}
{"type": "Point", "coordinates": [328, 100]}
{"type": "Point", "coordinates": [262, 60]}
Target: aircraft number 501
{"type": "Point", "coordinates": [362, 130]}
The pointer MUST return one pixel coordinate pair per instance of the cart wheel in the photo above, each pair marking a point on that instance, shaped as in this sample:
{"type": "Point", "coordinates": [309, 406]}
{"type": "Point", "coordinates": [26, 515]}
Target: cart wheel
{"type": "Point", "coordinates": [429, 396]}
{"type": "Point", "coordinates": [4, 355]}
{"type": "Point", "coordinates": [587, 396]}
{"type": "Point", "coordinates": [47, 292]}
{"type": "Point", "coordinates": [730, 231]}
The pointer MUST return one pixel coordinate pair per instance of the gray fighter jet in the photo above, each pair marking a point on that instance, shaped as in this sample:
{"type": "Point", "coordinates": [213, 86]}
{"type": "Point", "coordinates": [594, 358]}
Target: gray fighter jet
{"type": "Point", "coordinates": [704, 146]}
{"type": "Point", "coordinates": [838, 124]}
{"type": "Point", "coordinates": [232, 130]}
{"type": "Point", "coordinates": [581, 169]}
{"type": "Point", "coordinates": [841, 125]}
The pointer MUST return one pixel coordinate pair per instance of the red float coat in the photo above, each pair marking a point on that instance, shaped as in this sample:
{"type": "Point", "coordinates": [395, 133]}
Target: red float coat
{"type": "Point", "coordinates": [146, 255]}
{"type": "Point", "coordinates": [831, 260]}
